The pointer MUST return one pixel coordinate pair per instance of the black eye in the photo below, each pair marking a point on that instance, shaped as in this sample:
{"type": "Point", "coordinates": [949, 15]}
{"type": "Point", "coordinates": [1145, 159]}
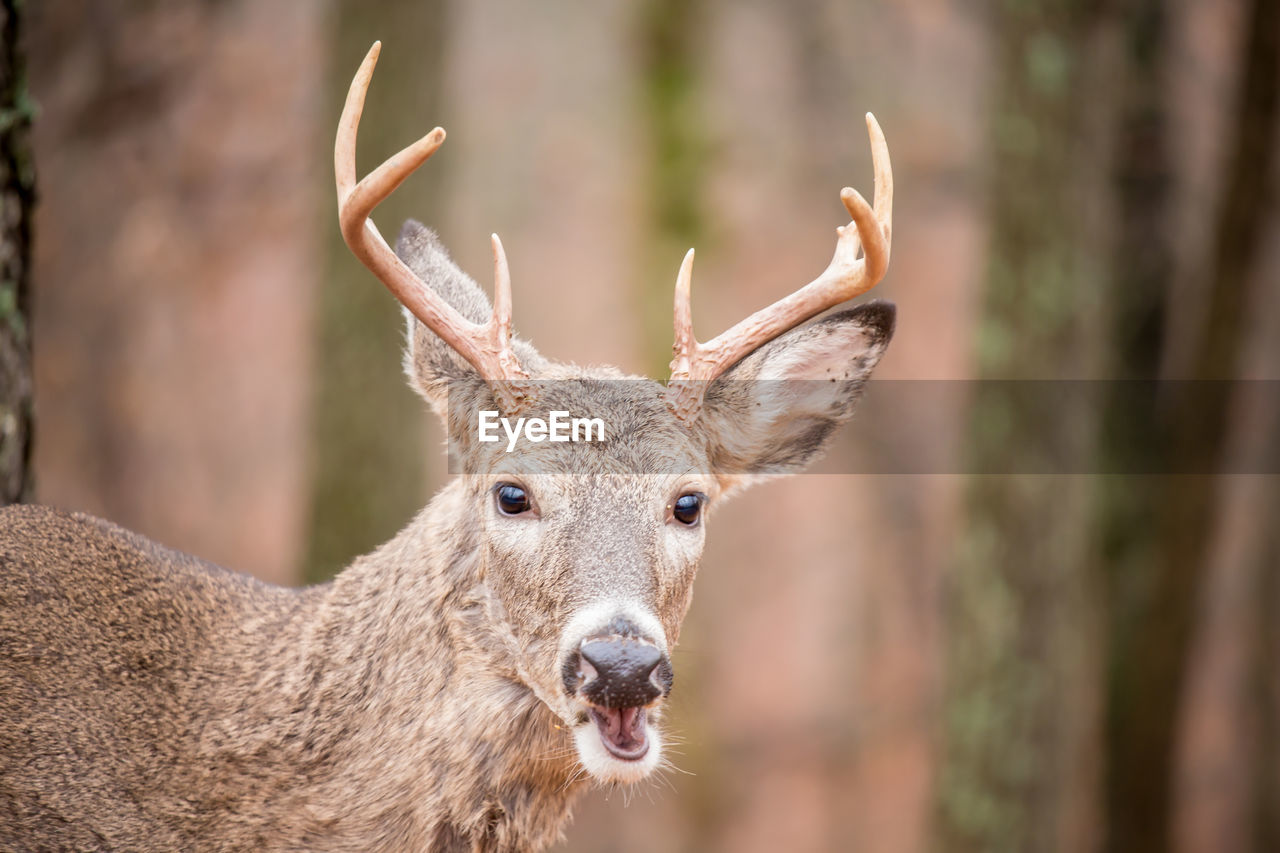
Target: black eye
{"type": "Point", "coordinates": [687, 509]}
{"type": "Point", "coordinates": [512, 500]}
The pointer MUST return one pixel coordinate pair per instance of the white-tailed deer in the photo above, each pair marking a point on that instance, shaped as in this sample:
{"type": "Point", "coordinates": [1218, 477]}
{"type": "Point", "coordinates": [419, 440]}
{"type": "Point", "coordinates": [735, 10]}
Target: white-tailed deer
{"type": "Point", "coordinates": [456, 688]}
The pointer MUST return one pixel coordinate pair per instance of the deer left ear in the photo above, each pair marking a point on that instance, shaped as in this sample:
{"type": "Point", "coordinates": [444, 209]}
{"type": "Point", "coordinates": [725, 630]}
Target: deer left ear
{"type": "Point", "coordinates": [775, 410]}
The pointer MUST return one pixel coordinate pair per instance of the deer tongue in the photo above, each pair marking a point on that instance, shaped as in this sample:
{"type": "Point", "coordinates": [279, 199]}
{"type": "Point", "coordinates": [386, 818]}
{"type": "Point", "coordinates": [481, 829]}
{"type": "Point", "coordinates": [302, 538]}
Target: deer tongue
{"type": "Point", "coordinates": [623, 731]}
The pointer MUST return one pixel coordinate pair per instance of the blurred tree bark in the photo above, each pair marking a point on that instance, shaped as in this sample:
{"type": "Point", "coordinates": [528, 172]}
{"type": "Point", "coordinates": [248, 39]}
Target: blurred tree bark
{"type": "Point", "coordinates": [175, 266]}
{"type": "Point", "coordinates": [669, 31]}
{"type": "Point", "coordinates": [1016, 768]}
{"type": "Point", "coordinates": [17, 194]}
{"type": "Point", "coordinates": [1129, 506]}
{"type": "Point", "coordinates": [368, 472]}
{"type": "Point", "coordinates": [1020, 601]}
{"type": "Point", "coordinates": [1156, 532]}
{"type": "Point", "coordinates": [1265, 806]}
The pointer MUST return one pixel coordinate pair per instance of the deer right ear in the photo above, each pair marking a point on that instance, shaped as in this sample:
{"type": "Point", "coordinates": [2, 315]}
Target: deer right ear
{"type": "Point", "coordinates": [432, 366]}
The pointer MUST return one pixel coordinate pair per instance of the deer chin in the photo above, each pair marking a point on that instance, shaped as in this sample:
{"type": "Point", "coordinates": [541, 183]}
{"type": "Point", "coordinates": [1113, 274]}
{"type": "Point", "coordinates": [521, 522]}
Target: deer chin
{"type": "Point", "coordinates": [618, 744]}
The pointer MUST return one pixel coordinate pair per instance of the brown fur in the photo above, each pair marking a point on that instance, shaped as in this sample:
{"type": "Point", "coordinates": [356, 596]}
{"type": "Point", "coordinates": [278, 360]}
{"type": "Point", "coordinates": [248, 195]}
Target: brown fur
{"type": "Point", "coordinates": [151, 701]}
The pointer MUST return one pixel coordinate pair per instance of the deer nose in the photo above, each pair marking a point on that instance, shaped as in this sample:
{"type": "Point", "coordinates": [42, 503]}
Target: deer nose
{"type": "Point", "coordinates": [621, 672]}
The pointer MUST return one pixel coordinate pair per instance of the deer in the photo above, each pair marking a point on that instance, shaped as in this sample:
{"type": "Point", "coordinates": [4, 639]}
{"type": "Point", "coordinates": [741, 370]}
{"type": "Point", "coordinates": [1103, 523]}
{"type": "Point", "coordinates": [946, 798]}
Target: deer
{"type": "Point", "coordinates": [460, 686]}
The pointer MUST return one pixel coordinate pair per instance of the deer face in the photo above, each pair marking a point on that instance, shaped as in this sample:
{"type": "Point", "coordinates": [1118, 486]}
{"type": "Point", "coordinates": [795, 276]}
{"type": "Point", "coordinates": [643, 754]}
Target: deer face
{"type": "Point", "coordinates": [589, 555]}
{"type": "Point", "coordinates": [589, 549]}
{"type": "Point", "coordinates": [592, 574]}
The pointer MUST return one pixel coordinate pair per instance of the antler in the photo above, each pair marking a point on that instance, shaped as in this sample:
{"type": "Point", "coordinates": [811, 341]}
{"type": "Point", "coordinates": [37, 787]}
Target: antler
{"type": "Point", "coordinates": [694, 364]}
{"type": "Point", "coordinates": [487, 347]}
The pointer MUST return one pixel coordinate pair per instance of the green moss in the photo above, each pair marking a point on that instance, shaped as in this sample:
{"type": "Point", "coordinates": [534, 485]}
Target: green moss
{"type": "Point", "coordinates": [678, 155]}
{"type": "Point", "coordinates": [1011, 591]}
{"type": "Point", "coordinates": [10, 315]}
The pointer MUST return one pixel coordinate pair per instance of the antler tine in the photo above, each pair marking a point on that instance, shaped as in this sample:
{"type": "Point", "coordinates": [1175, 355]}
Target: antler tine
{"type": "Point", "coordinates": [694, 364]}
{"type": "Point", "coordinates": [884, 176]}
{"type": "Point", "coordinates": [487, 347]}
{"type": "Point", "coordinates": [500, 326]}
{"type": "Point", "coordinates": [685, 341]}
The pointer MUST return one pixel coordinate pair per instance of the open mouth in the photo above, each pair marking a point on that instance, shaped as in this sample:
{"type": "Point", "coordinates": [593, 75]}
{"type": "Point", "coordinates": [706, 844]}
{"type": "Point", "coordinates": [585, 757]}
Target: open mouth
{"type": "Point", "coordinates": [622, 730]}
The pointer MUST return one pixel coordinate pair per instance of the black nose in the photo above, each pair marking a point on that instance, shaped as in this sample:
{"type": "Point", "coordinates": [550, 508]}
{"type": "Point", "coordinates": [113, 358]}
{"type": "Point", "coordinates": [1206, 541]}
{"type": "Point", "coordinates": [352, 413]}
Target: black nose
{"type": "Point", "coordinates": [619, 672]}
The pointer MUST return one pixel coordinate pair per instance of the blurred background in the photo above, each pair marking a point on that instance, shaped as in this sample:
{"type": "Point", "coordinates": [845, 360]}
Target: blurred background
{"type": "Point", "coordinates": [1085, 191]}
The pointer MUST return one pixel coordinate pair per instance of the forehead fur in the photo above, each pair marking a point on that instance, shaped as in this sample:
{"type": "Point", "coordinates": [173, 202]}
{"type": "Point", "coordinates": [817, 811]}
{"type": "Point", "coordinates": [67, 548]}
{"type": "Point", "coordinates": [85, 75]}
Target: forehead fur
{"type": "Point", "coordinates": [641, 435]}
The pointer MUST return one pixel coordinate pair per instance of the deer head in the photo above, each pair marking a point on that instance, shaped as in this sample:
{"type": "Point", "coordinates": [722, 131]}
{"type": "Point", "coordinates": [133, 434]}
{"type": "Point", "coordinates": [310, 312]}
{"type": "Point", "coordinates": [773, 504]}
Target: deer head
{"type": "Point", "coordinates": [586, 553]}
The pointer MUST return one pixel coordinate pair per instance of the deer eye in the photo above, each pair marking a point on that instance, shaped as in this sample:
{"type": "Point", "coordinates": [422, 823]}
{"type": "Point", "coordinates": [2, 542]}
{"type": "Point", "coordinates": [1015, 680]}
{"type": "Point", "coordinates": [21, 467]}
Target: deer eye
{"type": "Point", "coordinates": [512, 500]}
{"type": "Point", "coordinates": [687, 509]}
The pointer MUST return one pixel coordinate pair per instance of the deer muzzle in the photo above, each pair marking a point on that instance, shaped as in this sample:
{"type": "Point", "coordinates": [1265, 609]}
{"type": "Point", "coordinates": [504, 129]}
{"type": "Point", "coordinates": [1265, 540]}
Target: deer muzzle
{"type": "Point", "coordinates": [619, 677]}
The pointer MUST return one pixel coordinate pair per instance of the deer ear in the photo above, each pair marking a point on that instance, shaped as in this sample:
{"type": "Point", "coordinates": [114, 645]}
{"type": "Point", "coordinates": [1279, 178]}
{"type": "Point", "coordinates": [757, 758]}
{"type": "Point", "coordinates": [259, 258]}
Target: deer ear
{"type": "Point", "coordinates": [433, 367]}
{"type": "Point", "coordinates": [775, 410]}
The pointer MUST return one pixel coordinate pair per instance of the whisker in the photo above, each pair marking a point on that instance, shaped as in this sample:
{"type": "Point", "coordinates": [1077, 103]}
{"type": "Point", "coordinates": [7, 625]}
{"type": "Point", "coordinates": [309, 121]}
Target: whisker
{"type": "Point", "coordinates": [574, 777]}
{"type": "Point", "coordinates": [668, 764]}
{"type": "Point", "coordinates": [658, 779]}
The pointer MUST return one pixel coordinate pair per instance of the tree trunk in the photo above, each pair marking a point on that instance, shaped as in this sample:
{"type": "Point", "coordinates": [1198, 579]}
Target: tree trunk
{"type": "Point", "coordinates": [1157, 535]}
{"type": "Point", "coordinates": [1265, 805]}
{"type": "Point", "coordinates": [368, 470]}
{"type": "Point", "coordinates": [1141, 271]}
{"type": "Point", "coordinates": [175, 266]}
{"type": "Point", "coordinates": [1016, 757]}
{"type": "Point", "coordinates": [17, 193]}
